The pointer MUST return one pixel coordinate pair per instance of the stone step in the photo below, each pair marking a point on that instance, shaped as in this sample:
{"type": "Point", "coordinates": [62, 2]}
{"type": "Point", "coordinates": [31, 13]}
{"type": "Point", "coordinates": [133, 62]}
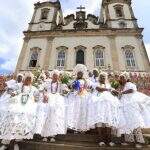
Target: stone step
{"type": "Point", "coordinates": [31, 145]}
{"type": "Point", "coordinates": [82, 137]}
{"type": "Point", "coordinates": [71, 141]}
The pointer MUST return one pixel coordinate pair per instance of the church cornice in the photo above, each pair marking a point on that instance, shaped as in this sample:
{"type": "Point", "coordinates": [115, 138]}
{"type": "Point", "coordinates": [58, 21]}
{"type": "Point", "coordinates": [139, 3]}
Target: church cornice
{"type": "Point", "coordinates": [86, 32]}
{"type": "Point", "coordinates": [117, 19]}
{"type": "Point", "coordinates": [106, 2]}
{"type": "Point", "coordinates": [48, 3]}
{"type": "Point", "coordinates": [31, 23]}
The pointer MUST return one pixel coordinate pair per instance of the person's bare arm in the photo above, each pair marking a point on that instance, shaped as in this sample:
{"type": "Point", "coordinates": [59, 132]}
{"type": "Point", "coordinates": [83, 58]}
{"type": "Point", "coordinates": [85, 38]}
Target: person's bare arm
{"type": "Point", "coordinates": [115, 92]}
{"type": "Point", "coordinates": [101, 89]}
{"type": "Point", "coordinates": [128, 91]}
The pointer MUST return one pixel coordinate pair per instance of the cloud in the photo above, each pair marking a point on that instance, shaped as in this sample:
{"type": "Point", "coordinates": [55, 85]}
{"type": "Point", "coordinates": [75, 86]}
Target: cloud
{"type": "Point", "coordinates": [70, 6]}
{"type": "Point", "coordinates": [9, 64]}
{"type": "Point", "coordinates": [14, 19]}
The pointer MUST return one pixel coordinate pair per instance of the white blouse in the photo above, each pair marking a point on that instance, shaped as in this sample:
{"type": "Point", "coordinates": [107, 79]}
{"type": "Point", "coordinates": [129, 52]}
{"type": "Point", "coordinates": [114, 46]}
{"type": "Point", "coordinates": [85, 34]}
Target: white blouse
{"type": "Point", "coordinates": [130, 86]}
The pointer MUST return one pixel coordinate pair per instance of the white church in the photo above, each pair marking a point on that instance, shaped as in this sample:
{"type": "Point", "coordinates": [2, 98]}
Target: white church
{"type": "Point", "coordinates": [112, 41]}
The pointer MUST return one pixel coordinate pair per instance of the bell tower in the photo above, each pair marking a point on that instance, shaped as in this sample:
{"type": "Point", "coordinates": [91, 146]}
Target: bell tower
{"type": "Point", "coordinates": [118, 14]}
{"type": "Point", "coordinates": [47, 15]}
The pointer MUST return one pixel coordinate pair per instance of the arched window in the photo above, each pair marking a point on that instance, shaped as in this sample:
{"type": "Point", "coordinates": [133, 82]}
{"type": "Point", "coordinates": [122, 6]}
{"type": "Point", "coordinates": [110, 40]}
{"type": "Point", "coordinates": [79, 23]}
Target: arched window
{"type": "Point", "coordinates": [34, 57]}
{"type": "Point", "coordinates": [80, 57]}
{"type": "Point", "coordinates": [33, 60]}
{"type": "Point", "coordinates": [80, 54]}
{"type": "Point", "coordinates": [99, 56]}
{"type": "Point", "coordinates": [44, 13]}
{"type": "Point", "coordinates": [119, 11]}
{"type": "Point", "coordinates": [61, 57]}
{"type": "Point", "coordinates": [129, 56]}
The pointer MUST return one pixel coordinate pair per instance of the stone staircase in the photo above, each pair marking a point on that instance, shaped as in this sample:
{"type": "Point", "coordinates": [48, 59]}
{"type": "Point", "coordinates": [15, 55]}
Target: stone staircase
{"type": "Point", "coordinates": [79, 141]}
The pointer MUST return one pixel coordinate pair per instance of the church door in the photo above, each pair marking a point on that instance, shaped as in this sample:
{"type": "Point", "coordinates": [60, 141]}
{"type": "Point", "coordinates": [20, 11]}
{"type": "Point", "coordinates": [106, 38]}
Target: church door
{"type": "Point", "coordinates": [80, 57]}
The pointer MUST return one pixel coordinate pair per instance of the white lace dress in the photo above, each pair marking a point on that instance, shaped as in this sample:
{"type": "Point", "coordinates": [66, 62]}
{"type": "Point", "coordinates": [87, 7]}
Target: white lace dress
{"type": "Point", "coordinates": [78, 108]}
{"type": "Point", "coordinates": [42, 111]}
{"type": "Point", "coordinates": [103, 108]}
{"type": "Point", "coordinates": [4, 98]}
{"type": "Point", "coordinates": [11, 88]}
{"type": "Point", "coordinates": [56, 115]}
{"type": "Point", "coordinates": [15, 87]}
{"type": "Point", "coordinates": [18, 114]}
{"type": "Point", "coordinates": [135, 110]}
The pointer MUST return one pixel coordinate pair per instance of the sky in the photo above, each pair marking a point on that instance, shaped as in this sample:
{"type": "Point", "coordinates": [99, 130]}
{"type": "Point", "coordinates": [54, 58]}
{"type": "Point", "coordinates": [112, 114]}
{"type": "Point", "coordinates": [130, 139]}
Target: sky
{"type": "Point", "coordinates": [16, 14]}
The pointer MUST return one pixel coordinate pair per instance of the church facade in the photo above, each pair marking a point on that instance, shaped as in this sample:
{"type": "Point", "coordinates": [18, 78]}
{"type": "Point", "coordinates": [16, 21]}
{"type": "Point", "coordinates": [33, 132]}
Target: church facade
{"type": "Point", "coordinates": [111, 41]}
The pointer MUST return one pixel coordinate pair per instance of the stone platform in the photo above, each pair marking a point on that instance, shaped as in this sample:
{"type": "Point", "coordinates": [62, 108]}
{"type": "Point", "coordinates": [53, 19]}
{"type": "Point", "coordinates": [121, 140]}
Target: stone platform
{"type": "Point", "coordinates": [80, 141]}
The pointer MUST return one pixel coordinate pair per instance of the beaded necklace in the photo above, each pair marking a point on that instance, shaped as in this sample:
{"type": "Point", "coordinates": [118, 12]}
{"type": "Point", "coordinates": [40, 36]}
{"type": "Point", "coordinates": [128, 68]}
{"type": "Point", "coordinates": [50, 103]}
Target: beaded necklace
{"type": "Point", "coordinates": [56, 89]}
{"type": "Point", "coordinates": [25, 97]}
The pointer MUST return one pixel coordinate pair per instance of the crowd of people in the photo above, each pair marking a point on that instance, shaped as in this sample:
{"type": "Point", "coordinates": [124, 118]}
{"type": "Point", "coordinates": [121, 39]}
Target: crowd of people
{"type": "Point", "coordinates": [51, 103]}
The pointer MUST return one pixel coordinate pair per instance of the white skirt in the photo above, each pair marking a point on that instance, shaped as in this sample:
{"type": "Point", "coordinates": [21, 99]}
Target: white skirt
{"type": "Point", "coordinates": [41, 116]}
{"type": "Point", "coordinates": [17, 120]}
{"type": "Point", "coordinates": [144, 103]}
{"type": "Point", "coordinates": [56, 116]}
{"type": "Point", "coordinates": [103, 109]}
{"type": "Point", "coordinates": [135, 113]}
{"type": "Point", "coordinates": [78, 111]}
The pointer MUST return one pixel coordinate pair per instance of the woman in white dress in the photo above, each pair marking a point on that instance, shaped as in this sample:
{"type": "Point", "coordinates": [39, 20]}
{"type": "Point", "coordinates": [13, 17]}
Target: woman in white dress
{"type": "Point", "coordinates": [78, 101]}
{"type": "Point", "coordinates": [135, 111]}
{"type": "Point", "coordinates": [55, 122]}
{"type": "Point", "coordinates": [42, 105]}
{"type": "Point", "coordinates": [95, 75]}
{"type": "Point", "coordinates": [11, 88]}
{"type": "Point", "coordinates": [17, 120]}
{"type": "Point", "coordinates": [105, 112]}
{"type": "Point", "coordinates": [15, 87]}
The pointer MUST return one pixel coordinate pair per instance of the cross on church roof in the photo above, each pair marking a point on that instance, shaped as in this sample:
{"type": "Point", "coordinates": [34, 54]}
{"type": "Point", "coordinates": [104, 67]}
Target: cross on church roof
{"type": "Point", "coordinates": [81, 7]}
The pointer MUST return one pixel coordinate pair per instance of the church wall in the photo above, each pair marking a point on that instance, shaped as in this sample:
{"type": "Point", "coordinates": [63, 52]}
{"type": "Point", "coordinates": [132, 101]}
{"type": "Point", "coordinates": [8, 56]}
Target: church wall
{"type": "Point", "coordinates": [69, 26]}
{"type": "Point", "coordinates": [144, 54]}
{"type": "Point", "coordinates": [41, 26]}
{"type": "Point", "coordinates": [122, 41]}
{"type": "Point", "coordinates": [88, 42]}
{"type": "Point", "coordinates": [111, 41]}
{"type": "Point", "coordinates": [50, 16]}
{"type": "Point", "coordinates": [125, 8]}
{"type": "Point", "coordinates": [127, 16]}
{"type": "Point", "coordinates": [40, 43]}
{"type": "Point", "coordinates": [115, 24]}
{"type": "Point", "coordinates": [58, 18]}
{"type": "Point", "coordinates": [92, 26]}
{"type": "Point", "coordinates": [103, 15]}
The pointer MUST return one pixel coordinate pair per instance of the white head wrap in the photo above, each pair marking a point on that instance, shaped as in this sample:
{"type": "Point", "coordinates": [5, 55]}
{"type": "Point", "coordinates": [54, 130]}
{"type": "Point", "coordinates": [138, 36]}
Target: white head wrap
{"type": "Point", "coordinates": [29, 74]}
{"type": "Point", "coordinates": [81, 68]}
{"type": "Point", "coordinates": [96, 69]}
{"type": "Point", "coordinates": [57, 72]}
{"type": "Point", "coordinates": [20, 74]}
{"type": "Point", "coordinates": [105, 75]}
{"type": "Point", "coordinates": [125, 75]}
